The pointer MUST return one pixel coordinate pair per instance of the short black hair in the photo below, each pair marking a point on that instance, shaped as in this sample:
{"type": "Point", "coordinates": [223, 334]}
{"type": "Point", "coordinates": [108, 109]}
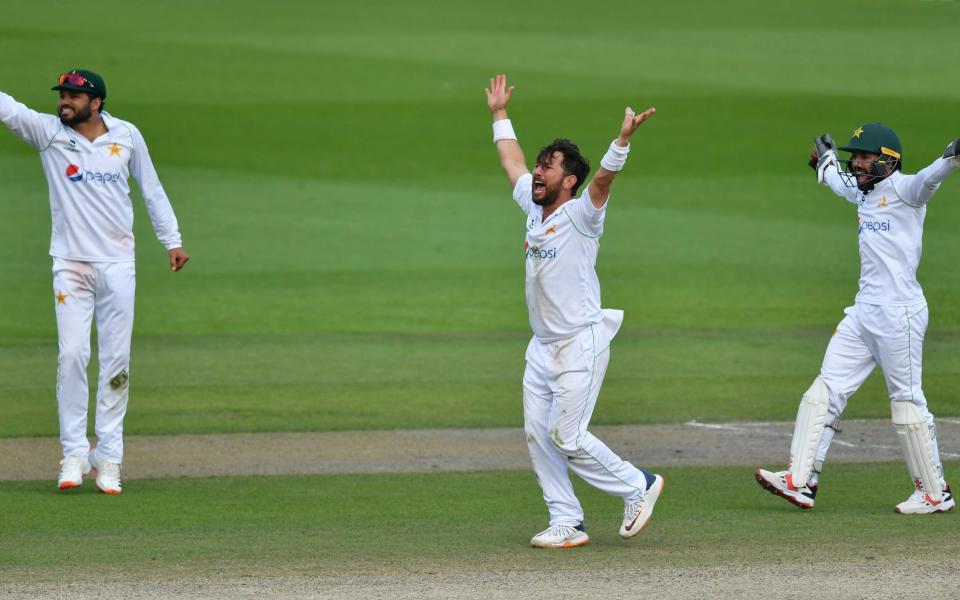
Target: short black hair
{"type": "Point", "coordinates": [573, 162]}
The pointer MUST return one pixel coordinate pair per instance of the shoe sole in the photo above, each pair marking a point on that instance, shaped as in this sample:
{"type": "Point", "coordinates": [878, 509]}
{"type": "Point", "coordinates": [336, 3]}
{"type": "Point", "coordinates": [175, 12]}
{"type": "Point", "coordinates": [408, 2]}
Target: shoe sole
{"type": "Point", "coordinates": [69, 485]}
{"type": "Point", "coordinates": [776, 491]}
{"type": "Point", "coordinates": [564, 545]}
{"type": "Point", "coordinates": [663, 484]}
{"type": "Point", "coordinates": [928, 512]}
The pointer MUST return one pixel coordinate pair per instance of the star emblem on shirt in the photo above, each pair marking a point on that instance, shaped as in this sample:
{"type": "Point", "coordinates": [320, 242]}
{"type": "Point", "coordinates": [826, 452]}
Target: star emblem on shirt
{"type": "Point", "coordinates": [114, 150]}
{"type": "Point", "coordinates": [61, 297]}
{"type": "Point", "coordinates": [552, 229]}
{"type": "Point", "coordinates": [882, 203]}
{"type": "Point", "coordinates": [857, 132]}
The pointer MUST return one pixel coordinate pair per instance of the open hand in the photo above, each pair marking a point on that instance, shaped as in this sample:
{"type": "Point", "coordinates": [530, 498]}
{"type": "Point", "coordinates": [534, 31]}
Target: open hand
{"type": "Point", "coordinates": [498, 94]}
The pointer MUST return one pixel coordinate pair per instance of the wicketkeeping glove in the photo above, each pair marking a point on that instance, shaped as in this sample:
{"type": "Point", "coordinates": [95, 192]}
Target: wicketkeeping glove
{"type": "Point", "coordinates": [825, 151]}
{"type": "Point", "coordinates": [952, 150]}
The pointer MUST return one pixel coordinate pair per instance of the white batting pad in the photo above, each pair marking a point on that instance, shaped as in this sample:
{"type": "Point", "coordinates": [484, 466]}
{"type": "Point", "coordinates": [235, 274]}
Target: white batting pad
{"type": "Point", "coordinates": [914, 434]}
{"type": "Point", "coordinates": [811, 418]}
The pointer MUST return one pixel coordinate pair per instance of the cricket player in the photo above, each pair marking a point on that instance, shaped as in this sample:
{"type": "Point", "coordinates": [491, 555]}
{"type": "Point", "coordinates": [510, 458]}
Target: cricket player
{"type": "Point", "coordinates": [886, 324]}
{"type": "Point", "coordinates": [88, 156]}
{"type": "Point", "coordinates": [568, 354]}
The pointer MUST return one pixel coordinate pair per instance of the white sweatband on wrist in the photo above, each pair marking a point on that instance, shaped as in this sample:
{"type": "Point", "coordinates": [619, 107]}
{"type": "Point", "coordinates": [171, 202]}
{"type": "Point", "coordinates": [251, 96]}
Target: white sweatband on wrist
{"type": "Point", "coordinates": [503, 130]}
{"type": "Point", "coordinates": [615, 157]}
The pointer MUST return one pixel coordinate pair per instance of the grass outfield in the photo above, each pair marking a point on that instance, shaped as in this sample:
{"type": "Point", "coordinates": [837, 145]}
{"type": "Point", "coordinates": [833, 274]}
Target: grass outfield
{"type": "Point", "coordinates": [338, 525]}
{"type": "Point", "coordinates": [356, 252]}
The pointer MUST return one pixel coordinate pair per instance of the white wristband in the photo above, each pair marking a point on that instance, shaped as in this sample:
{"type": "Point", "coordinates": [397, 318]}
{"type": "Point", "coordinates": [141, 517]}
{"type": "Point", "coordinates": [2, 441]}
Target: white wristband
{"type": "Point", "coordinates": [503, 130]}
{"type": "Point", "coordinates": [615, 157]}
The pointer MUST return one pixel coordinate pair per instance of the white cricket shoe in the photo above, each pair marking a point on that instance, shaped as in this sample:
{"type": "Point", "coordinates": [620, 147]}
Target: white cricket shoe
{"type": "Point", "coordinates": [781, 484]}
{"type": "Point", "coordinates": [637, 513]}
{"type": "Point", "coordinates": [561, 536]}
{"type": "Point", "coordinates": [72, 470]}
{"type": "Point", "coordinates": [108, 475]}
{"type": "Point", "coordinates": [919, 503]}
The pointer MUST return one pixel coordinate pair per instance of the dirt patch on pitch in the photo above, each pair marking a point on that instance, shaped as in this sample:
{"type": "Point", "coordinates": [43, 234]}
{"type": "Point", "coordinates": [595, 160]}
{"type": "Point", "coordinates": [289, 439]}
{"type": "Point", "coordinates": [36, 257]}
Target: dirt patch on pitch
{"type": "Point", "coordinates": [653, 446]}
{"type": "Point", "coordinates": [413, 451]}
{"type": "Point", "coordinates": [884, 579]}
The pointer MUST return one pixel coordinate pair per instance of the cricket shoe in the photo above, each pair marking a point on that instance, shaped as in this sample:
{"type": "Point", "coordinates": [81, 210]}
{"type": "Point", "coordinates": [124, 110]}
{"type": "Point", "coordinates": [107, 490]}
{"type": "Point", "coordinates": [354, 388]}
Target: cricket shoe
{"type": "Point", "coordinates": [781, 484]}
{"type": "Point", "coordinates": [561, 536]}
{"type": "Point", "coordinates": [637, 513]}
{"type": "Point", "coordinates": [72, 470]}
{"type": "Point", "coordinates": [108, 475]}
{"type": "Point", "coordinates": [919, 503]}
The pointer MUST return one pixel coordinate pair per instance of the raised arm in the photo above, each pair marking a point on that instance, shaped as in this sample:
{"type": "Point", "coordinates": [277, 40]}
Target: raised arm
{"type": "Point", "coordinates": [824, 162]}
{"type": "Point", "coordinates": [511, 156]}
{"type": "Point", "coordinates": [34, 128]}
{"type": "Point", "coordinates": [616, 156]}
{"type": "Point", "coordinates": [917, 189]}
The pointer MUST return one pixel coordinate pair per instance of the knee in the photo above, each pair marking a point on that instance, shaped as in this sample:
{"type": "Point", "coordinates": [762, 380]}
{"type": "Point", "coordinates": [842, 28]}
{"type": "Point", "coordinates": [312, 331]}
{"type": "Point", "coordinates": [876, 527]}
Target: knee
{"type": "Point", "coordinates": [569, 446]}
{"type": "Point", "coordinates": [74, 355]}
{"type": "Point", "coordinates": [905, 412]}
{"type": "Point", "coordinates": [835, 394]}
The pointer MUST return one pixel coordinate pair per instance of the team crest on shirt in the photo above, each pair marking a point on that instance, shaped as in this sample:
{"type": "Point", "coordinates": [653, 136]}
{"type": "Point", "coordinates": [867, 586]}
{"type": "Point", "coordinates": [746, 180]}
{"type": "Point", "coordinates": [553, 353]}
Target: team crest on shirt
{"type": "Point", "coordinates": [882, 203]}
{"type": "Point", "coordinates": [115, 149]}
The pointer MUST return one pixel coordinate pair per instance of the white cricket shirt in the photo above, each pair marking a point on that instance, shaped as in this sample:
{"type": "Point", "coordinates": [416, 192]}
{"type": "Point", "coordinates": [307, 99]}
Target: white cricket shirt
{"type": "Point", "coordinates": [562, 288]}
{"type": "Point", "coordinates": [89, 189]}
{"type": "Point", "coordinates": [890, 229]}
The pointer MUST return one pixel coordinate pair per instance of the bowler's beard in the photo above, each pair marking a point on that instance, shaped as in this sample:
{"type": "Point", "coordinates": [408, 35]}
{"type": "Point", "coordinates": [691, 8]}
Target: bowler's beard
{"type": "Point", "coordinates": [549, 196]}
{"type": "Point", "coordinates": [79, 116]}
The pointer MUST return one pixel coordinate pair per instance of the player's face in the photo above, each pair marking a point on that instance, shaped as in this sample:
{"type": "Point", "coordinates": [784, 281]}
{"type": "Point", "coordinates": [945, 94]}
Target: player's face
{"type": "Point", "coordinates": [74, 107]}
{"type": "Point", "coordinates": [861, 163]}
{"type": "Point", "coordinates": [548, 180]}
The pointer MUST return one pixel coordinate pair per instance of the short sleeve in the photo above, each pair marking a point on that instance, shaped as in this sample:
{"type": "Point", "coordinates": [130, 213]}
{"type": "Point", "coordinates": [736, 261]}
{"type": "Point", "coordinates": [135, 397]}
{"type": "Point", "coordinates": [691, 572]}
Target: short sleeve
{"type": "Point", "coordinates": [587, 217]}
{"type": "Point", "coordinates": [523, 193]}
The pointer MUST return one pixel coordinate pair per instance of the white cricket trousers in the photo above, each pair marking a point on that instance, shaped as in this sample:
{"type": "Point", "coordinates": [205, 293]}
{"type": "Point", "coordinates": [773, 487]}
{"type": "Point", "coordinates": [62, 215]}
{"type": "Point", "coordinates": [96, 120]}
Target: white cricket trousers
{"type": "Point", "coordinates": [871, 335]}
{"type": "Point", "coordinates": [83, 290]}
{"type": "Point", "coordinates": [560, 388]}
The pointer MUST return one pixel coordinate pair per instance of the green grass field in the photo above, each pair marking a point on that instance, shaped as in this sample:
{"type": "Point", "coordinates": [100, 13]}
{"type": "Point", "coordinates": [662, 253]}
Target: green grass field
{"type": "Point", "coordinates": [356, 252]}
{"type": "Point", "coordinates": [465, 522]}
{"type": "Point", "coordinates": [356, 258]}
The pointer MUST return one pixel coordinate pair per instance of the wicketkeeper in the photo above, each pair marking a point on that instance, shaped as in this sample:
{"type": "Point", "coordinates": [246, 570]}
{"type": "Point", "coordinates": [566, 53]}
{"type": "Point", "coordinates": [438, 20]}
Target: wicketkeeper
{"type": "Point", "coordinates": [886, 324]}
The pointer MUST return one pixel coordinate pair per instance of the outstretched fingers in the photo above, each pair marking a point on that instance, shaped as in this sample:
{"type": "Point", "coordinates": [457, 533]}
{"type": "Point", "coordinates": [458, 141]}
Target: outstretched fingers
{"type": "Point", "coordinates": [498, 94]}
{"type": "Point", "coordinates": [644, 115]}
{"type": "Point", "coordinates": [636, 119]}
{"type": "Point", "coordinates": [631, 120]}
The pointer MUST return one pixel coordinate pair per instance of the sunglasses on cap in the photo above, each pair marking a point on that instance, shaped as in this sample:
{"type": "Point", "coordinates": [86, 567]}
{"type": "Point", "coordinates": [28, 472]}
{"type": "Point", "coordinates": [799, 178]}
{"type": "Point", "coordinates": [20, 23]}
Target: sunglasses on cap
{"type": "Point", "coordinates": [77, 80]}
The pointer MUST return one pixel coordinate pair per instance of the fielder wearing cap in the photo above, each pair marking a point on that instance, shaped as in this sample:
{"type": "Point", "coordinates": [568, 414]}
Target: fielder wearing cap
{"type": "Point", "coordinates": [885, 326]}
{"type": "Point", "coordinates": [568, 354]}
{"type": "Point", "coordinates": [88, 157]}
